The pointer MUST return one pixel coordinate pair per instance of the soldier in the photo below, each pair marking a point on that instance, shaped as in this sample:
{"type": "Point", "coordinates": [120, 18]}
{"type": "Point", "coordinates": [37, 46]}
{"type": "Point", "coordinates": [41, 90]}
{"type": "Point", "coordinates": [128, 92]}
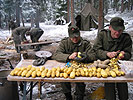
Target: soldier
{"type": "Point", "coordinates": [19, 36]}
{"type": "Point", "coordinates": [68, 50]}
{"type": "Point", "coordinates": [35, 34]}
{"type": "Point", "coordinates": [107, 45]}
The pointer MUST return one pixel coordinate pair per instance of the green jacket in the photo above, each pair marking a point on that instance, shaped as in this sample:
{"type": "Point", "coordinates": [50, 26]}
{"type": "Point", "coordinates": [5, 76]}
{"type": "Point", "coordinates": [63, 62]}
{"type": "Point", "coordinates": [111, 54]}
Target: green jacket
{"type": "Point", "coordinates": [105, 43]}
{"type": "Point", "coordinates": [67, 47]}
{"type": "Point", "coordinates": [20, 32]}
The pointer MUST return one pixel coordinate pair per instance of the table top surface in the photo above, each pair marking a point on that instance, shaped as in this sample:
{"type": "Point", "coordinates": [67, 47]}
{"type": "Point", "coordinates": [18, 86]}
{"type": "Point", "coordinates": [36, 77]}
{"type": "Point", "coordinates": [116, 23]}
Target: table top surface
{"type": "Point", "coordinates": [127, 66]}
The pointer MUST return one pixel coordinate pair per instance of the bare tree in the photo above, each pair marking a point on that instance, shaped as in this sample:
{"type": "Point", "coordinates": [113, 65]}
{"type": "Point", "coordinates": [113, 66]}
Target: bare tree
{"type": "Point", "coordinates": [122, 6]}
{"type": "Point", "coordinates": [68, 11]}
{"type": "Point", "coordinates": [101, 15]}
{"type": "Point", "coordinates": [72, 11]}
{"type": "Point", "coordinates": [18, 13]}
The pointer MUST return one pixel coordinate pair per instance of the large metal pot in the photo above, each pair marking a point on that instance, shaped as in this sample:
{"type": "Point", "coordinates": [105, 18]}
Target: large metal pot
{"type": "Point", "coordinates": [8, 89]}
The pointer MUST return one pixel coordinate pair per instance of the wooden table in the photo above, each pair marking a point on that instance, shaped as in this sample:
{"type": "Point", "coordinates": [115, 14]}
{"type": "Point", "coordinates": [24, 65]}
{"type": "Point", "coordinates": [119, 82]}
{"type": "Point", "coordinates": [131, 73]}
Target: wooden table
{"type": "Point", "coordinates": [52, 63]}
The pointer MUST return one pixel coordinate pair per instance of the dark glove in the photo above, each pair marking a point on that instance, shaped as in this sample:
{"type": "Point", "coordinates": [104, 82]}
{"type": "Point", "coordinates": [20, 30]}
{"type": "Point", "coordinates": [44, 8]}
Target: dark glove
{"type": "Point", "coordinates": [82, 59]}
{"type": "Point", "coordinates": [40, 61]}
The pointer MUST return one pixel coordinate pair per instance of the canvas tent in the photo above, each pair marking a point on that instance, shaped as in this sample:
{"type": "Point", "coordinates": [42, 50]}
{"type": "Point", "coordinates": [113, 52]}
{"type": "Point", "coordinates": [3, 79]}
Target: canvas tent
{"type": "Point", "coordinates": [88, 18]}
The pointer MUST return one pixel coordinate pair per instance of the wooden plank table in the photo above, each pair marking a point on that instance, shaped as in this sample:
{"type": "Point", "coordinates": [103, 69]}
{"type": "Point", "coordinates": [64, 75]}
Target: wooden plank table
{"type": "Point", "coordinates": [126, 66]}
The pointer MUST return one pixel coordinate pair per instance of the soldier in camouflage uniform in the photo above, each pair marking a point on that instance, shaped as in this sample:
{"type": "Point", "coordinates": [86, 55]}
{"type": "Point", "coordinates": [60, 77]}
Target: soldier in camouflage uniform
{"type": "Point", "coordinates": [19, 36]}
{"type": "Point", "coordinates": [107, 45]}
{"type": "Point", "coordinates": [68, 50]}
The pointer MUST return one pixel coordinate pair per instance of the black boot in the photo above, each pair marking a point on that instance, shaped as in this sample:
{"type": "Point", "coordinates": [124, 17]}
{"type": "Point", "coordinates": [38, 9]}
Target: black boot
{"type": "Point", "coordinates": [68, 96]}
{"type": "Point", "coordinates": [79, 97]}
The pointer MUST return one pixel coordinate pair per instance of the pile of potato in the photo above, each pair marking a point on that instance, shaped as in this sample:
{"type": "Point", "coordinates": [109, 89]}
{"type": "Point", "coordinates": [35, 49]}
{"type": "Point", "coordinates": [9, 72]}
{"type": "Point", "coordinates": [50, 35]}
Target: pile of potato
{"type": "Point", "coordinates": [66, 72]}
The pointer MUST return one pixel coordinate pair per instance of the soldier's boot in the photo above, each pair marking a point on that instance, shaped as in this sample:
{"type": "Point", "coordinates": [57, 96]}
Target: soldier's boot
{"type": "Point", "coordinates": [79, 97]}
{"type": "Point", "coordinates": [68, 96]}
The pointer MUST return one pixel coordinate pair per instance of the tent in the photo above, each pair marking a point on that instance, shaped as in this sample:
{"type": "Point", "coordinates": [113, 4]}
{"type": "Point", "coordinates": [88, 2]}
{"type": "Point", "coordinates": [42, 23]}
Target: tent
{"type": "Point", "coordinates": [88, 18]}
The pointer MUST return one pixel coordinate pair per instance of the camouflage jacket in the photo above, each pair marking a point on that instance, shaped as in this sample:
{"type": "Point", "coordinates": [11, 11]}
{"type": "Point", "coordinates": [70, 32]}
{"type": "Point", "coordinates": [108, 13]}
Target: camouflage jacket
{"type": "Point", "coordinates": [67, 47]}
{"type": "Point", "coordinates": [105, 43]}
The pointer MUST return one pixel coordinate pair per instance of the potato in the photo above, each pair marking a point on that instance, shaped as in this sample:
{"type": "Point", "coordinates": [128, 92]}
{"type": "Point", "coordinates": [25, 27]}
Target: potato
{"type": "Point", "coordinates": [33, 69]}
{"type": "Point", "coordinates": [37, 68]}
{"type": "Point", "coordinates": [96, 63]}
{"type": "Point", "coordinates": [65, 75]}
{"type": "Point", "coordinates": [54, 69]}
{"type": "Point", "coordinates": [102, 66]}
{"type": "Point", "coordinates": [69, 70]}
{"type": "Point", "coordinates": [106, 62]}
{"type": "Point", "coordinates": [82, 72]}
{"type": "Point", "coordinates": [122, 73]}
{"type": "Point", "coordinates": [38, 73]}
{"type": "Point", "coordinates": [86, 73]}
{"type": "Point", "coordinates": [58, 68]}
{"type": "Point", "coordinates": [98, 75]}
{"type": "Point", "coordinates": [49, 73]}
{"type": "Point", "coordinates": [104, 74]}
{"type": "Point", "coordinates": [19, 73]}
{"type": "Point", "coordinates": [79, 53]}
{"type": "Point", "coordinates": [99, 70]}
{"type": "Point", "coordinates": [112, 73]}
{"type": "Point", "coordinates": [43, 74]}
{"type": "Point", "coordinates": [57, 73]}
{"type": "Point", "coordinates": [72, 75]}
{"type": "Point", "coordinates": [12, 73]}
{"type": "Point", "coordinates": [23, 68]}
{"type": "Point", "coordinates": [77, 73]}
{"type": "Point", "coordinates": [24, 73]}
{"type": "Point", "coordinates": [29, 73]}
{"type": "Point", "coordinates": [29, 67]}
{"type": "Point", "coordinates": [42, 68]}
{"type": "Point", "coordinates": [61, 74]}
{"type": "Point", "coordinates": [34, 73]}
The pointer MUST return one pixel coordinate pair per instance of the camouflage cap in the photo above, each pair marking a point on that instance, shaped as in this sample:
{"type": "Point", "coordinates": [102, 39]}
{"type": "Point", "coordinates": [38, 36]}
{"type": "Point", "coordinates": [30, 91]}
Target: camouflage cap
{"type": "Point", "coordinates": [117, 23]}
{"type": "Point", "coordinates": [73, 31]}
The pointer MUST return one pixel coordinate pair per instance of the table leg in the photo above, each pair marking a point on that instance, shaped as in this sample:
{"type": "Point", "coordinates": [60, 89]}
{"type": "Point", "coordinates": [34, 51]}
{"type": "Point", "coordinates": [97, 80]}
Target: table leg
{"type": "Point", "coordinates": [24, 91]}
{"type": "Point", "coordinates": [31, 84]}
{"type": "Point", "coordinates": [39, 88]}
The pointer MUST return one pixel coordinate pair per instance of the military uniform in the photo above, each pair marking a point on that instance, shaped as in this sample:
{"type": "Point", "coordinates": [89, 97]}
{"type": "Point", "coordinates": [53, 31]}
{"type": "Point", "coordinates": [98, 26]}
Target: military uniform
{"type": "Point", "coordinates": [65, 49]}
{"type": "Point", "coordinates": [19, 35]}
{"type": "Point", "coordinates": [35, 34]}
{"type": "Point", "coordinates": [105, 43]}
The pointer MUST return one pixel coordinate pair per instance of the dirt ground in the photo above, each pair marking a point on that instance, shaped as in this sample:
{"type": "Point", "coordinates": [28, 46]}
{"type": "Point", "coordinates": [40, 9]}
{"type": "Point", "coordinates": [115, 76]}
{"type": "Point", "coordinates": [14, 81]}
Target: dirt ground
{"type": "Point", "coordinates": [50, 91]}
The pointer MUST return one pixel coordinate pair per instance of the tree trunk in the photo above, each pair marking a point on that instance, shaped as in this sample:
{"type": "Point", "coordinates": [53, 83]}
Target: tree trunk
{"type": "Point", "coordinates": [129, 5]}
{"type": "Point", "coordinates": [22, 19]}
{"type": "Point", "coordinates": [32, 20]}
{"type": "Point", "coordinates": [122, 6]}
{"type": "Point", "coordinates": [68, 11]}
{"type": "Point", "coordinates": [101, 15]}
{"type": "Point", "coordinates": [37, 18]}
{"type": "Point", "coordinates": [72, 12]}
{"type": "Point", "coordinates": [0, 21]}
{"type": "Point", "coordinates": [17, 13]}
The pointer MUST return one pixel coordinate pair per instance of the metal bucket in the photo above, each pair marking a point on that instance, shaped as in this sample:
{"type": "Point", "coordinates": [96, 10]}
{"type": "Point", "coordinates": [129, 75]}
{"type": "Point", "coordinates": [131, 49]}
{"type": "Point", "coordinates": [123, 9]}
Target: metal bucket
{"type": "Point", "coordinates": [8, 89]}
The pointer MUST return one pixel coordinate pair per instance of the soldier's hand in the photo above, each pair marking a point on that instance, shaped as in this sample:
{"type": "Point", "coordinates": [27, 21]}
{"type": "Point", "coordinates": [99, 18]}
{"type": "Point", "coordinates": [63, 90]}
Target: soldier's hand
{"type": "Point", "coordinates": [112, 54]}
{"type": "Point", "coordinates": [121, 55]}
{"type": "Point", "coordinates": [73, 55]}
{"type": "Point", "coordinates": [24, 42]}
{"type": "Point", "coordinates": [82, 59]}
